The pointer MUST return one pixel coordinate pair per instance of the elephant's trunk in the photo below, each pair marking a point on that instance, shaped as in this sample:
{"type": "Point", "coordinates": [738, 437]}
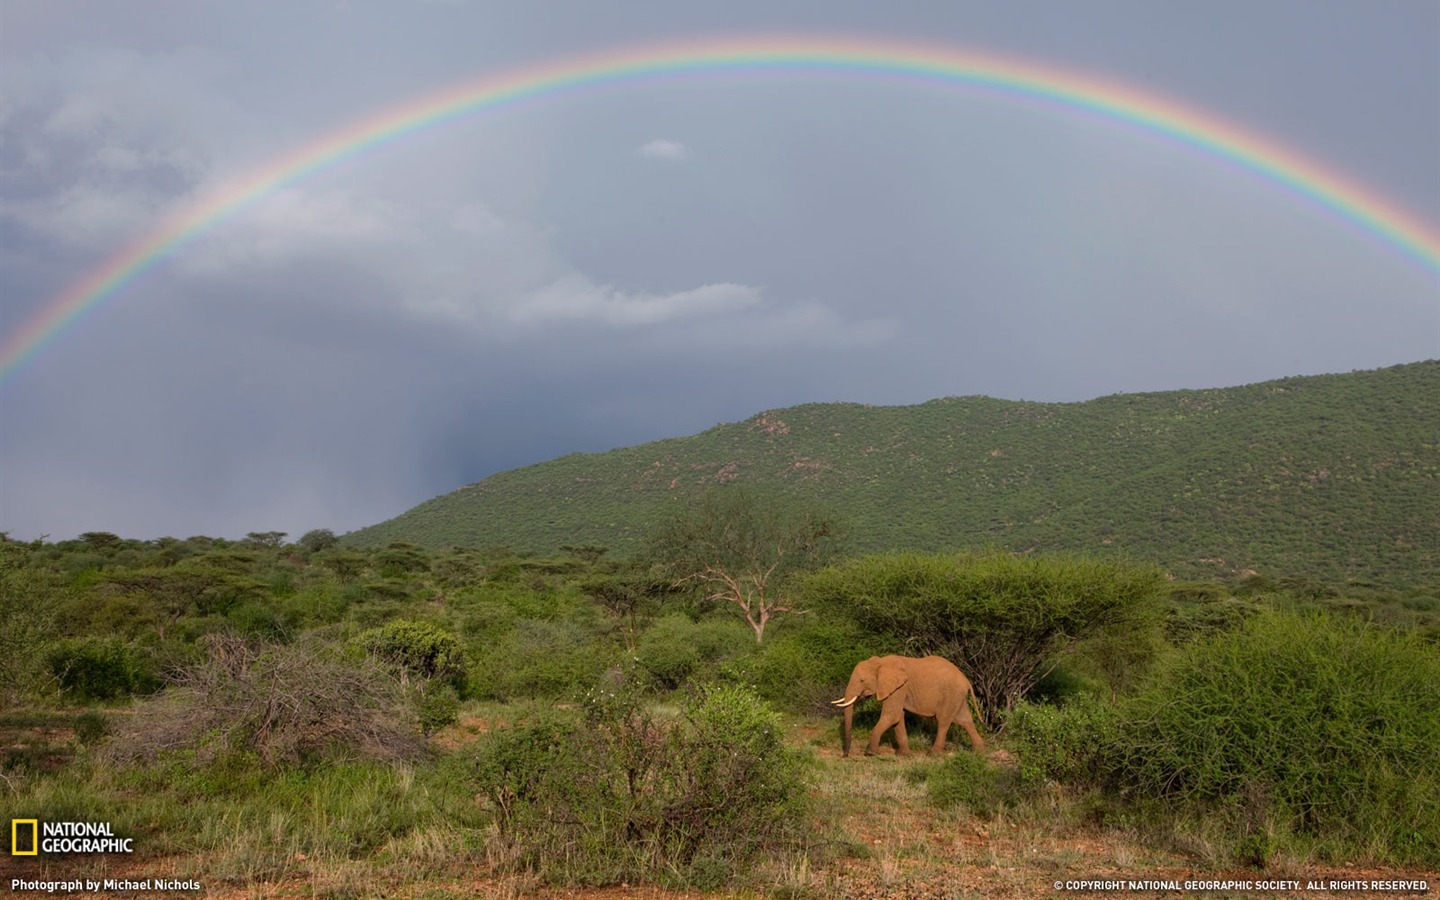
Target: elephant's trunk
{"type": "Point", "coordinates": [848, 704]}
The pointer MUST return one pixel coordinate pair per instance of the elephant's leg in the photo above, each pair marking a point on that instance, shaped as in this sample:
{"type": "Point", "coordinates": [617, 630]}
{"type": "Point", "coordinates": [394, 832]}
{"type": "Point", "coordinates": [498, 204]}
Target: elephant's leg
{"type": "Point", "coordinates": [977, 743]}
{"type": "Point", "coordinates": [889, 718]}
{"type": "Point", "coordinates": [902, 740]}
{"type": "Point", "coordinates": [942, 731]}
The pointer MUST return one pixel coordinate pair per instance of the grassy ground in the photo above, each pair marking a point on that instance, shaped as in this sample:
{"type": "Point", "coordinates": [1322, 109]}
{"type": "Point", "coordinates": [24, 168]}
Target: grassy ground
{"type": "Point", "coordinates": [878, 836]}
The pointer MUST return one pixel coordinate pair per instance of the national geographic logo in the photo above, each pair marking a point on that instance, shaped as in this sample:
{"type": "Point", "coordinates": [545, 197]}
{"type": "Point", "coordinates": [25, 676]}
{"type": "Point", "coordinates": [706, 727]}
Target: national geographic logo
{"type": "Point", "coordinates": [19, 826]}
{"type": "Point", "coordinates": [28, 837]}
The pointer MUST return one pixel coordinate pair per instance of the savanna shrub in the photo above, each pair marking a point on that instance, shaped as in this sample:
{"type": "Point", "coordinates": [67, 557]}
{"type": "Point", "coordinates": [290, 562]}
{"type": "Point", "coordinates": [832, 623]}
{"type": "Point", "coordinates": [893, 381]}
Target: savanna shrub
{"type": "Point", "coordinates": [90, 726]}
{"type": "Point", "coordinates": [667, 651]}
{"type": "Point", "coordinates": [1190, 620]}
{"type": "Point", "coordinates": [258, 620]}
{"type": "Point", "coordinates": [313, 606]}
{"type": "Point", "coordinates": [417, 650]}
{"type": "Point", "coordinates": [1069, 744]}
{"type": "Point", "coordinates": [1319, 728]}
{"type": "Point", "coordinates": [1003, 619]}
{"type": "Point", "coordinates": [1062, 683]}
{"type": "Point", "coordinates": [538, 659]}
{"type": "Point", "coordinates": [29, 600]}
{"type": "Point", "coordinates": [437, 707]}
{"type": "Point", "coordinates": [284, 704]}
{"type": "Point", "coordinates": [616, 795]}
{"type": "Point", "coordinates": [401, 558]}
{"type": "Point", "coordinates": [92, 668]}
{"type": "Point", "coordinates": [318, 539]}
{"type": "Point", "coordinates": [675, 649]}
{"type": "Point", "coordinates": [972, 779]}
{"type": "Point", "coordinates": [804, 665]}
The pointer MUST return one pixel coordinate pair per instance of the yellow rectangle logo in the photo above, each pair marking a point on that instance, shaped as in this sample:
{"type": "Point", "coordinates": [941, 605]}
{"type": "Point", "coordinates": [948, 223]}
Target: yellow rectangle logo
{"type": "Point", "coordinates": [15, 837]}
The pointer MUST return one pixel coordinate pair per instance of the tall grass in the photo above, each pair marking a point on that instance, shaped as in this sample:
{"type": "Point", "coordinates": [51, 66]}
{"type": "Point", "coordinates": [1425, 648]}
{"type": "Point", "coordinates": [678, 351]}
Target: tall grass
{"type": "Point", "coordinates": [251, 823]}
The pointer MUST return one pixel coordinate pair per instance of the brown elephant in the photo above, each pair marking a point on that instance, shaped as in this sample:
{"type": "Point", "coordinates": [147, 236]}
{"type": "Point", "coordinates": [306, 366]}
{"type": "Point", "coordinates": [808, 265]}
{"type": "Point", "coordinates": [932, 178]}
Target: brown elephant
{"type": "Point", "coordinates": [927, 687]}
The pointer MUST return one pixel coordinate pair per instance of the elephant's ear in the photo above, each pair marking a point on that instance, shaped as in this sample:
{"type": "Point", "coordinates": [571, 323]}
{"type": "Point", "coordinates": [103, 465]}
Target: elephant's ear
{"type": "Point", "coordinates": [892, 678]}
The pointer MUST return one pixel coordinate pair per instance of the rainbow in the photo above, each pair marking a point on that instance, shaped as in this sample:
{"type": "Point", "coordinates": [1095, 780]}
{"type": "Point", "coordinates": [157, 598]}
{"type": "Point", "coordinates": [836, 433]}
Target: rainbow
{"type": "Point", "coordinates": [911, 63]}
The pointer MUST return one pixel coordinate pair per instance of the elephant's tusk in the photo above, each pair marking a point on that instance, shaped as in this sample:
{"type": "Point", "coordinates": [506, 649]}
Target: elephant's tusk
{"type": "Point", "coordinates": [844, 701]}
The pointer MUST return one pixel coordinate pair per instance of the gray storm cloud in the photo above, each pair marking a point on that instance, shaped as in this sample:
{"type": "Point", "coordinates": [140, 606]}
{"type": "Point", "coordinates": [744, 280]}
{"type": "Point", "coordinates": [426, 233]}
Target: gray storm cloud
{"type": "Point", "coordinates": [567, 275]}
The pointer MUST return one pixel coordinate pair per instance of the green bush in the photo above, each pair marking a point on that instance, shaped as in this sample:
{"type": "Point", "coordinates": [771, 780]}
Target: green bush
{"type": "Point", "coordinates": [252, 824]}
{"type": "Point", "coordinates": [318, 539]}
{"type": "Point", "coordinates": [616, 795]}
{"type": "Point", "coordinates": [91, 669]}
{"type": "Point", "coordinates": [667, 651]}
{"type": "Point", "coordinates": [280, 581]}
{"type": "Point", "coordinates": [1313, 728]}
{"type": "Point", "coordinates": [485, 620]}
{"type": "Point", "coordinates": [1208, 617]}
{"type": "Point", "coordinates": [401, 558]}
{"type": "Point", "coordinates": [74, 563]}
{"type": "Point", "coordinates": [29, 601]}
{"type": "Point", "coordinates": [313, 606]}
{"type": "Point", "coordinates": [417, 650]}
{"type": "Point", "coordinates": [674, 649]}
{"type": "Point", "coordinates": [1422, 602]}
{"type": "Point", "coordinates": [1003, 619]}
{"type": "Point", "coordinates": [181, 649]}
{"type": "Point", "coordinates": [805, 664]}
{"type": "Point", "coordinates": [1070, 744]}
{"type": "Point", "coordinates": [90, 726]}
{"type": "Point", "coordinates": [971, 779]}
{"type": "Point", "coordinates": [1063, 683]}
{"type": "Point", "coordinates": [258, 619]}
{"type": "Point", "coordinates": [538, 659]}
{"type": "Point", "coordinates": [437, 707]}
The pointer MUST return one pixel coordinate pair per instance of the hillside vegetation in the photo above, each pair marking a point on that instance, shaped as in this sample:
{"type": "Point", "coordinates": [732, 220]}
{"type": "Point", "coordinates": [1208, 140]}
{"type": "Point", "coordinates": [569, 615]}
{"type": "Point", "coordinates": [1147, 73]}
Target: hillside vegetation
{"type": "Point", "coordinates": [1336, 477]}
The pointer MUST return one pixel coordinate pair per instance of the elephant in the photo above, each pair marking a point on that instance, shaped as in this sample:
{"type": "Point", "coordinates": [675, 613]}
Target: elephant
{"type": "Point", "coordinates": [932, 687]}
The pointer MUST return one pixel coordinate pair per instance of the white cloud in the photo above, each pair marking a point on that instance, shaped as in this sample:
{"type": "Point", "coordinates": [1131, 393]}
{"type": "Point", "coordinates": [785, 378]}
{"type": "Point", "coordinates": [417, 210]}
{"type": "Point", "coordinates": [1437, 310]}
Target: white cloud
{"type": "Point", "coordinates": [478, 220]}
{"type": "Point", "coordinates": [577, 299]}
{"type": "Point", "coordinates": [702, 319]}
{"type": "Point", "coordinates": [99, 149]}
{"type": "Point", "coordinates": [294, 223]}
{"type": "Point", "coordinates": [813, 324]}
{"type": "Point", "coordinates": [107, 193]}
{"type": "Point", "coordinates": [663, 149]}
{"type": "Point", "coordinates": [88, 216]}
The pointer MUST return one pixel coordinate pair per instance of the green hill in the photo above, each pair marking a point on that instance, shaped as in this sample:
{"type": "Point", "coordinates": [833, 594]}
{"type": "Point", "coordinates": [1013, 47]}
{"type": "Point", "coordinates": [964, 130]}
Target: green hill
{"type": "Point", "coordinates": [1336, 477]}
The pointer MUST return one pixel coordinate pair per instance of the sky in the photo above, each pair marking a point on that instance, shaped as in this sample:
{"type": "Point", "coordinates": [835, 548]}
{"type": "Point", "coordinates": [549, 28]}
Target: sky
{"type": "Point", "coordinates": [603, 267]}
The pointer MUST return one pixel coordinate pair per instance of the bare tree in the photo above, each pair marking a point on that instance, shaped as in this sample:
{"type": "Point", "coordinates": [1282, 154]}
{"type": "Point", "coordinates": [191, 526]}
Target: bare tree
{"type": "Point", "coordinates": [737, 548]}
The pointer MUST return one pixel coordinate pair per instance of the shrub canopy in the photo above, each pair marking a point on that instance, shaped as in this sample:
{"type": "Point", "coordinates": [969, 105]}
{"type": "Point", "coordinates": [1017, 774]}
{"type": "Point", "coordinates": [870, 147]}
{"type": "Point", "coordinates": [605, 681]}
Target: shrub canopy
{"type": "Point", "coordinates": [1004, 620]}
{"type": "Point", "coordinates": [417, 650]}
{"type": "Point", "coordinates": [1311, 724]}
{"type": "Point", "coordinates": [621, 796]}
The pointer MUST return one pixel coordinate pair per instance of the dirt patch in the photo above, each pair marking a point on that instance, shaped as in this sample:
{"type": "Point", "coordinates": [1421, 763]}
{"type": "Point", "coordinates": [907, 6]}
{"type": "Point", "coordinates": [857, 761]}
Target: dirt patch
{"type": "Point", "coordinates": [462, 733]}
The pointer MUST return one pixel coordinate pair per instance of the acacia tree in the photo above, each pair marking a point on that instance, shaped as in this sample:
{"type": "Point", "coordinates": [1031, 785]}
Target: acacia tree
{"type": "Point", "coordinates": [317, 539]}
{"type": "Point", "coordinates": [627, 595]}
{"type": "Point", "coordinates": [736, 547]}
{"type": "Point", "coordinates": [1005, 620]}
